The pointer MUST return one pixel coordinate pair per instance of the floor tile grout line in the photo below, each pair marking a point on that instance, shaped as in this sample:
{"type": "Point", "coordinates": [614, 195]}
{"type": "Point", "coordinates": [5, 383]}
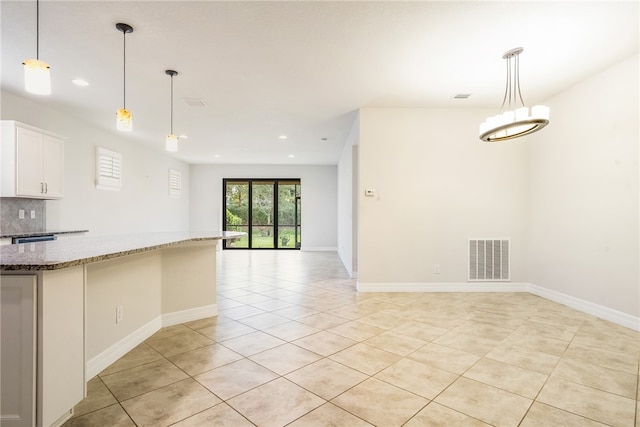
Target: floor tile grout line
{"type": "Point", "coordinates": [327, 310]}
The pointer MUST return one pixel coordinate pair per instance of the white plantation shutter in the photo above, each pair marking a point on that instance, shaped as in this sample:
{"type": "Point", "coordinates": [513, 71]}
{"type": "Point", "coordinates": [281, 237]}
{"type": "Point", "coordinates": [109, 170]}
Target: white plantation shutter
{"type": "Point", "coordinates": [175, 183]}
{"type": "Point", "coordinates": [108, 170]}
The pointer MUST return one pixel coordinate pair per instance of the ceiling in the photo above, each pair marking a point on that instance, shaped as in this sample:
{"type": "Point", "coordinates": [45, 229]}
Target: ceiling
{"type": "Point", "coordinates": [300, 69]}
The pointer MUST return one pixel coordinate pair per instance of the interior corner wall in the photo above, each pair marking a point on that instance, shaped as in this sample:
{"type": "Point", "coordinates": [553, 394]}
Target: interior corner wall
{"type": "Point", "coordinates": [436, 185]}
{"type": "Point", "coordinates": [319, 197]}
{"type": "Point", "coordinates": [584, 213]}
{"type": "Point", "coordinates": [347, 198]}
{"type": "Point", "coordinates": [143, 203]}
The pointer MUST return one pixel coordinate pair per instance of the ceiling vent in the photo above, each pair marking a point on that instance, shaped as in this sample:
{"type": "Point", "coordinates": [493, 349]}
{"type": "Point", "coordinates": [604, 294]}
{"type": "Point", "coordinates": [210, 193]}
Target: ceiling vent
{"type": "Point", "coordinates": [194, 102]}
{"type": "Point", "coordinates": [461, 96]}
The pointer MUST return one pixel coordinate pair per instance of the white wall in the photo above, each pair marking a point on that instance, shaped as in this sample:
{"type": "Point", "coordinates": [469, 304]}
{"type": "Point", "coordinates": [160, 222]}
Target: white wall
{"type": "Point", "coordinates": [318, 198]}
{"type": "Point", "coordinates": [142, 204]}
{"type": "Point", "coordinates": [584, 192]}
{"type": "Point", "coordinates": [347, 201]}
{"type": "Point", "coordinates": [437, 185]}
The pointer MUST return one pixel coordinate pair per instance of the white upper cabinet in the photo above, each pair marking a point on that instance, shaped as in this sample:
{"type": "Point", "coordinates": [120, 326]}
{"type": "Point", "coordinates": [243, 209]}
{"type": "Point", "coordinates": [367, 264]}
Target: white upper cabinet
{"type": "Point", "coordinates": [32, 162]}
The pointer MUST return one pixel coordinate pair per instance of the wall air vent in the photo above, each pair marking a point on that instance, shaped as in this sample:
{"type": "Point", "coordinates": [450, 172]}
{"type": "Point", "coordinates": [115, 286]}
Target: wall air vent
{"type": "Point", "coordinates": [461, 96]}
{"type": "Point", "coordinates": [489, 260]}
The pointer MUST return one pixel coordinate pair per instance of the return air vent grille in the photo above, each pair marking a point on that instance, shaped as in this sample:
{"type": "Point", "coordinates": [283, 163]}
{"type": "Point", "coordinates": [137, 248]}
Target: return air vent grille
{"type": "Point", "coordinates": [489, 260]}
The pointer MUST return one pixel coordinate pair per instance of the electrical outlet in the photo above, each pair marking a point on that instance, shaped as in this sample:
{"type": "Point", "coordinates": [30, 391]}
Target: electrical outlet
{"type": "Point", "coordinates": [436, 269]}
{"type": "Point", "coordinates": [33, 214]}
{"type": "Point", "coordinates": [21, 214]}
{"type": "Point", "coordinates": [119, 314]}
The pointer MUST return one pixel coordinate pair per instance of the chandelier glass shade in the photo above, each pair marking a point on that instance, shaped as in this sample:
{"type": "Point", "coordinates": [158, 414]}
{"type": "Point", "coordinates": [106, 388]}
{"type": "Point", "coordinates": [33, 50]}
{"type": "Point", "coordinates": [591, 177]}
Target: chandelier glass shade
{"type": "Point", "coordinates": [516, 121]}
{"type": "Point", "coordinates": [124, 118]}
{"type": "Point", "coordinates": [171, 143]}
{"type": "Point", "coordinates": [37, 74]}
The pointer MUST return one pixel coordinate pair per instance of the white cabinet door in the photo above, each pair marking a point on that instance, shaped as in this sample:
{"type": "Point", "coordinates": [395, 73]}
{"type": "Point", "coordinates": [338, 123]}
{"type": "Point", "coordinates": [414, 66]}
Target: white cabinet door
{"type": "Point", "coordinates": [52, 166]}
{"type": "Point", "coordinates": [18, 350]}
{"type": "Point", "coordinates": [29, 163]}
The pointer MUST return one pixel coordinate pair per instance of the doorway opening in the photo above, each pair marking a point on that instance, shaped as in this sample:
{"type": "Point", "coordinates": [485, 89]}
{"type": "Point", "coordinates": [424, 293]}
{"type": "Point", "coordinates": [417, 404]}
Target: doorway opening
{"type": "Point", "coordinates": [268, 210]}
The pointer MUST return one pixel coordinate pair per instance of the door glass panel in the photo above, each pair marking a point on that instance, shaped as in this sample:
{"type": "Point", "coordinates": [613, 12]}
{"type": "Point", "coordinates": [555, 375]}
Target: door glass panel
{"type": "Point", "coordinates": [262, 211]}
{"type": "Point", "coordinates": [237, 212]}
{"type": "Point", "coordinates": [286, 214]}
{"type": "Point", "coordinates": [298, 217]}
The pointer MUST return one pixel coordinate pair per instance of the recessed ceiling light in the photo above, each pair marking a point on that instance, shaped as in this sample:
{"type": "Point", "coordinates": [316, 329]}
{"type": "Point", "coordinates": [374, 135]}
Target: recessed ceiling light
{"type": "Point", "coordinates": [245, 148]}
{"type": "Point", "coordinates": [282, 137]}
{"type": "Point", "coordinates": [291, 156]}
{"type": "Point", "coordinates": [80, 82]}
{"type": "Point", "coordinates": [216, 155]}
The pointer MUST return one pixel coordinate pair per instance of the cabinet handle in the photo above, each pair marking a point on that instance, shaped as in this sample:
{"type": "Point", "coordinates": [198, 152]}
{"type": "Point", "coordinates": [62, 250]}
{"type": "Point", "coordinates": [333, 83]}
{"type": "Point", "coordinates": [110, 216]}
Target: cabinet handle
{"type": "Point", "coordinates": [42, 187]}
{"type": "Point", "coordinates": [46, 187]}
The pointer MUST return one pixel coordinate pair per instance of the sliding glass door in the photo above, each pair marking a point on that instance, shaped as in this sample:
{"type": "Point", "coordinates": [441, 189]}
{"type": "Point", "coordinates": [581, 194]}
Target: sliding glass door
{"type": "Point", "coordinates": [268, 210]}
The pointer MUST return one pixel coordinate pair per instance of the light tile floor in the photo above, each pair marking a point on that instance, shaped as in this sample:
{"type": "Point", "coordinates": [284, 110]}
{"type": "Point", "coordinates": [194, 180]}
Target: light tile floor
{"type": "Point", "coordinates": [295, 344]}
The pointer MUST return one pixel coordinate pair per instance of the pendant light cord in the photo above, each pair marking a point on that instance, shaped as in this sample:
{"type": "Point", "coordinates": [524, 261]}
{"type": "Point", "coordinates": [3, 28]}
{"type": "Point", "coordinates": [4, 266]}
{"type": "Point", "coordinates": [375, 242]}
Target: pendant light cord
{"type": "Point", "coordinates": [171, 104]}
{"type": "Point", "coordinates": [124, 70]}
{"type": "Point", "coordinates": [512, 87]}
{"type": "Point", "coordinates": [37, 29]}
{"type": "Point", "coordinates": [507, 90]}
{"type": "Point", "coordinates": [518, 80]}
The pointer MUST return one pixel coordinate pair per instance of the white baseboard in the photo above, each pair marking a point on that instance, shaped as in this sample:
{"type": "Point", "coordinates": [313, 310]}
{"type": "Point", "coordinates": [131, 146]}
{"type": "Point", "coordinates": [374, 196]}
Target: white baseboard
{"type": "Point", "coordinates": [128, 343]}
{"type": "Point", "coordinates": [319, 249]}
{"type": "Point", "coordinates": [443, 287]}
{"type": "Point", "coordinates": [618, 317]}
{"type": "Point", "coordinates": [122, 347]}
{"type": "Point", "coordinates": [597, 310]}
{"type": "Point", "coordinates": [183, 316]}
{"type": "Point", "coordinates": [63, 419]}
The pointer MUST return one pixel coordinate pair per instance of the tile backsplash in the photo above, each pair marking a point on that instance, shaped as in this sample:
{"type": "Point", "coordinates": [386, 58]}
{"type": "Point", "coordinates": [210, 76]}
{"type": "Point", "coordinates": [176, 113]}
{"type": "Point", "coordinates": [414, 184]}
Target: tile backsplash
{"type": "Point", "coordinates": [10, 221]}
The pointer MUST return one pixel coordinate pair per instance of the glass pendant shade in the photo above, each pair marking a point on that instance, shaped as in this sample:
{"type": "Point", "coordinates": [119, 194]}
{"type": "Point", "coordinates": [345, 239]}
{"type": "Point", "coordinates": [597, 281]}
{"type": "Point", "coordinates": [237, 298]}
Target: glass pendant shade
{"type": "Point", "coordinates": [124, 120]}
{"type": "Point", "coordinates": [172, 143]}
{"type": "Point", "coordinates": [37, 77]}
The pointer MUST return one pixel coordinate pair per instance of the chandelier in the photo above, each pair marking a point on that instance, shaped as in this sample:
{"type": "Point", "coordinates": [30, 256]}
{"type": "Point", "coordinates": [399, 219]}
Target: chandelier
{"type": "Point", "coordinates": [516, 121]}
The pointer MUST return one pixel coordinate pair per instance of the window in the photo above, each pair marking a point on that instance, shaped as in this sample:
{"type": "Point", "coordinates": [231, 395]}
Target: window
{"type": "Point", "coordinates": [108, 170]}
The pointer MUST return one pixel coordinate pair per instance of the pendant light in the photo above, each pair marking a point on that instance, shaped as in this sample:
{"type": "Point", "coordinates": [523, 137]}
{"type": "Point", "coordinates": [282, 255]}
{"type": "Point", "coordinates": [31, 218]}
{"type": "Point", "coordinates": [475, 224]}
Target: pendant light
{"type": "Point", "coordinates": [37, 75]}
{"type": "Point", "coordinates": [514, 122]}
{"type": "Point", "coordinates": [172, 139]}
{"type": "Point", "coordinates": [123, 116]}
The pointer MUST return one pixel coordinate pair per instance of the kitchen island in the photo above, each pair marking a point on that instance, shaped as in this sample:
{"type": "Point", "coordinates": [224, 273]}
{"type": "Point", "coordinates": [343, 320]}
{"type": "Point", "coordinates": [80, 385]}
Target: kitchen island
{"type": "Point", "coordinates": [71, 308]}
